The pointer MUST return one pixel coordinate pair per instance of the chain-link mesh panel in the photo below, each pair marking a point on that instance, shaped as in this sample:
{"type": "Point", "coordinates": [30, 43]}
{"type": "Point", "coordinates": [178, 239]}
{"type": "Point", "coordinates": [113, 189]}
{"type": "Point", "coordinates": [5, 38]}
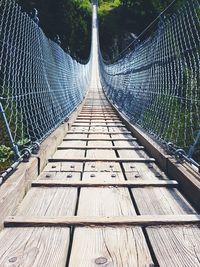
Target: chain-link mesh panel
{"type": "Point", "coordinates": [40, 85]}
{"type": "Point", "coordinates": [157, 84]}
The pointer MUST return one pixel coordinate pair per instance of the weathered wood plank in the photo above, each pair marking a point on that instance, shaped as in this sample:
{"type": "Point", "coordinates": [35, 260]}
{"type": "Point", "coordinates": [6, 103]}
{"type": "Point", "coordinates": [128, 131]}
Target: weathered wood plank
{"type": "Point", "coordinates": [102, 167]}
{"type": "Point", "coordinates": [176, 246]}
{"type": "Point", "coordinates": [49, 202]}
{"type": "Point", "coordinates": [100, 139]}
{"type": "Point", "coordinates": [14, 189]}
{"type": "Point", "coordinates": [98, 145]}
{"type": "Point", "coordinates": [134, 220]}
{"type": "Point", "coordinates": [71, 144]}
{"type": "Point", "coordinates": [109, 247]}
{"type": "Point", "coordinates": [125, 143]}
{"type": "Point", "coordinates": [68, 154]}
{"type": "Point", "coordinates": [91, 120]}
{"type": "Point", "coordinates": [144, 171]}
{"type": "Point", "coordinates": [35, 247]}
{"type": "Point", "coordinates": [78, 135]}
{"type": "Point", "coordinates": [100, 154]}
{"type": "Point", "coordinates": [98, 129]}
{"type": "Point", "coordinates": [107, 202]}
{"type": "Point", "coordinates": [111, 175]}
{"type": "Point", "coordinates": [99, 132]}
{"type": "Point", "coordinates": [64, 176]}
{"type": "Point", "coordinates": [60, 157]}
{"type": "Point", "coordinates": [99, 136]}
{"type": "Point", "coordinates": [97, 183]}
{"type": "Point", "coordinates": [81, 128]}
{"type": "Point", "coordinates": [64, 167]}
{"type": "Point", "coordinates": [161, 201]}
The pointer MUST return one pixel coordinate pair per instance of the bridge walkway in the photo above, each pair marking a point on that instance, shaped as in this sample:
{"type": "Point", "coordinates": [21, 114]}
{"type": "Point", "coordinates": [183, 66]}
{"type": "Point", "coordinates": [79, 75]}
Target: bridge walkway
{"type": "Point", "coordinates": [101, 201]}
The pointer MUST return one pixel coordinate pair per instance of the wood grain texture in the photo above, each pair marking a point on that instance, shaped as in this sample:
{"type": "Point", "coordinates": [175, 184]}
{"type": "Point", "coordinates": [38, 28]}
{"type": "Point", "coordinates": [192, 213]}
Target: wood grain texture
{"type": "Point", "coordinates": [61, 158]}
{"type": "Point", "coordinates": [99, 183]}
{"type": "Point", "coordinates": [125, 143]}
{"type": "Point", "coordinates": [64, 167]}
{"type": "Point", "coordinates": [176, 245]}
{"type": "Point", "coordinates": [146, 171]}
{"type": "Point", "coordinates": [105, 246]}
{"type": "Point", "coordinates": [100, 143]}
{"type": "Point", "coordinates": [109, 247]}
{"type": "Point", "coordinates": [34, 247]}
{"type": "Point", "coordinates": [105, 202]}
{"type": "Point", "coordinates": [49, 202]}
{"type": "Point", "coordinates": [102, 167]}
{"type": "Point", "coordinates": [72, 143]}
{"type": "Point", "coordinates": [99, 136]}
{"type": "Point", "coordinates": [63, 176]}
{"type": "Point", "coordinates": [97, 145]}
{"type": "Point", "coordinates": [92, 221]}
{"type": "Point", "coordinates": [103, 176]}
{"type": "Point", "coordinates": [100, 132]}
{"type": "Point", "coordinates": [123, 137]}
{"type": "Point", "coordinates": [14, 189]}
{"type": "Point", "coordinates": [68, 154]}
{"type": "Point", "coordinates": [71, 134]}
{"type": "Point", "coordinates": [104, 138]}
{"type": "Point", "coordinates": [100, 154]}
{"type": "Point", "coordinates": [81, 128]}
{"type": "Point", "coordinates": [160, 201]}
{"type": "Point", "coordinates": [117, 129]}
{"type": "Point", "coordinates": [132, 154]}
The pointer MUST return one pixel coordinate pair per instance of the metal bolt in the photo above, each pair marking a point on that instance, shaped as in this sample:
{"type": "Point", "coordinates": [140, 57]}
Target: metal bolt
{"type": "Point", "coordinates": [69, 176]}
{"type": "Point", "coordinates": [92, 175]}
{"type": "Point", "coordinates": [48, 175]}
{"type": "Point", "coordinates": [111, 166]}
{"type": "Point", "coordinates": [113, 175]}
{"type": "Point", "coordinates": [150, 166]}
{"type": "Point", "coordinates": [101, 260]}
{"type": "Point", "coordinates": [132, 167]}
{"type": "Point", "coordinates": [92, 166]}
{"type": "Point", "coordinates": [12, 259]}
{"type": "Point", "coordinates": [137, 176]}
{"type": "Point", "coordinates": [72, 166]}
{"type": "Point", "coordinates": [53, 166]}
{"type": "Point", "coordinates": [158, 174]}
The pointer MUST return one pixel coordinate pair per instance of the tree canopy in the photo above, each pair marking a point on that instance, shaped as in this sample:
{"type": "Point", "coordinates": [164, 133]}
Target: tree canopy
{"type": "Point", "coordinates": [120, 22]}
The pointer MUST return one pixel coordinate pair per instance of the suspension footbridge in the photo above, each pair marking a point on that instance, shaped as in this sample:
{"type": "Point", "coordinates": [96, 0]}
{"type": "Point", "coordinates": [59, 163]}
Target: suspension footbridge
{"type": "Point", "coordinates": [102, 190]}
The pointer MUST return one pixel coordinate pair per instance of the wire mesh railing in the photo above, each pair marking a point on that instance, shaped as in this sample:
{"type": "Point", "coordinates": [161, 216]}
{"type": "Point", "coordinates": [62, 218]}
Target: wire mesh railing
{"type": "Point", "coordinates": [40, 84]}
{"type": "Point", "coordinates": [156, 83]}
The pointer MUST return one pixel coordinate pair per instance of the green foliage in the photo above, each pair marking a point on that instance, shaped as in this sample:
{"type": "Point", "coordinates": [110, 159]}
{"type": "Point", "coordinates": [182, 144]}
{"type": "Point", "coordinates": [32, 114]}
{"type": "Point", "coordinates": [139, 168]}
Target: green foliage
{"type": "Point", "coordinates": [176, 118]}
{"type": "Point", "coordinates": [70, 19]}
{"type": "Point", "coordinates": [118, 21]}
{"type": "Point", "coordinates": [6, 155]}
{"type": "Point", "coordinates": [15, 121]}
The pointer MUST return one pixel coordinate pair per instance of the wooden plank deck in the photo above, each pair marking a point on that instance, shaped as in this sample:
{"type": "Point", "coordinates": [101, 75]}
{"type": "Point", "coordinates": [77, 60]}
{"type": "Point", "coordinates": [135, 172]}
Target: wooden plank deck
{"type": "Point", "coordinates": [101, 201]}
